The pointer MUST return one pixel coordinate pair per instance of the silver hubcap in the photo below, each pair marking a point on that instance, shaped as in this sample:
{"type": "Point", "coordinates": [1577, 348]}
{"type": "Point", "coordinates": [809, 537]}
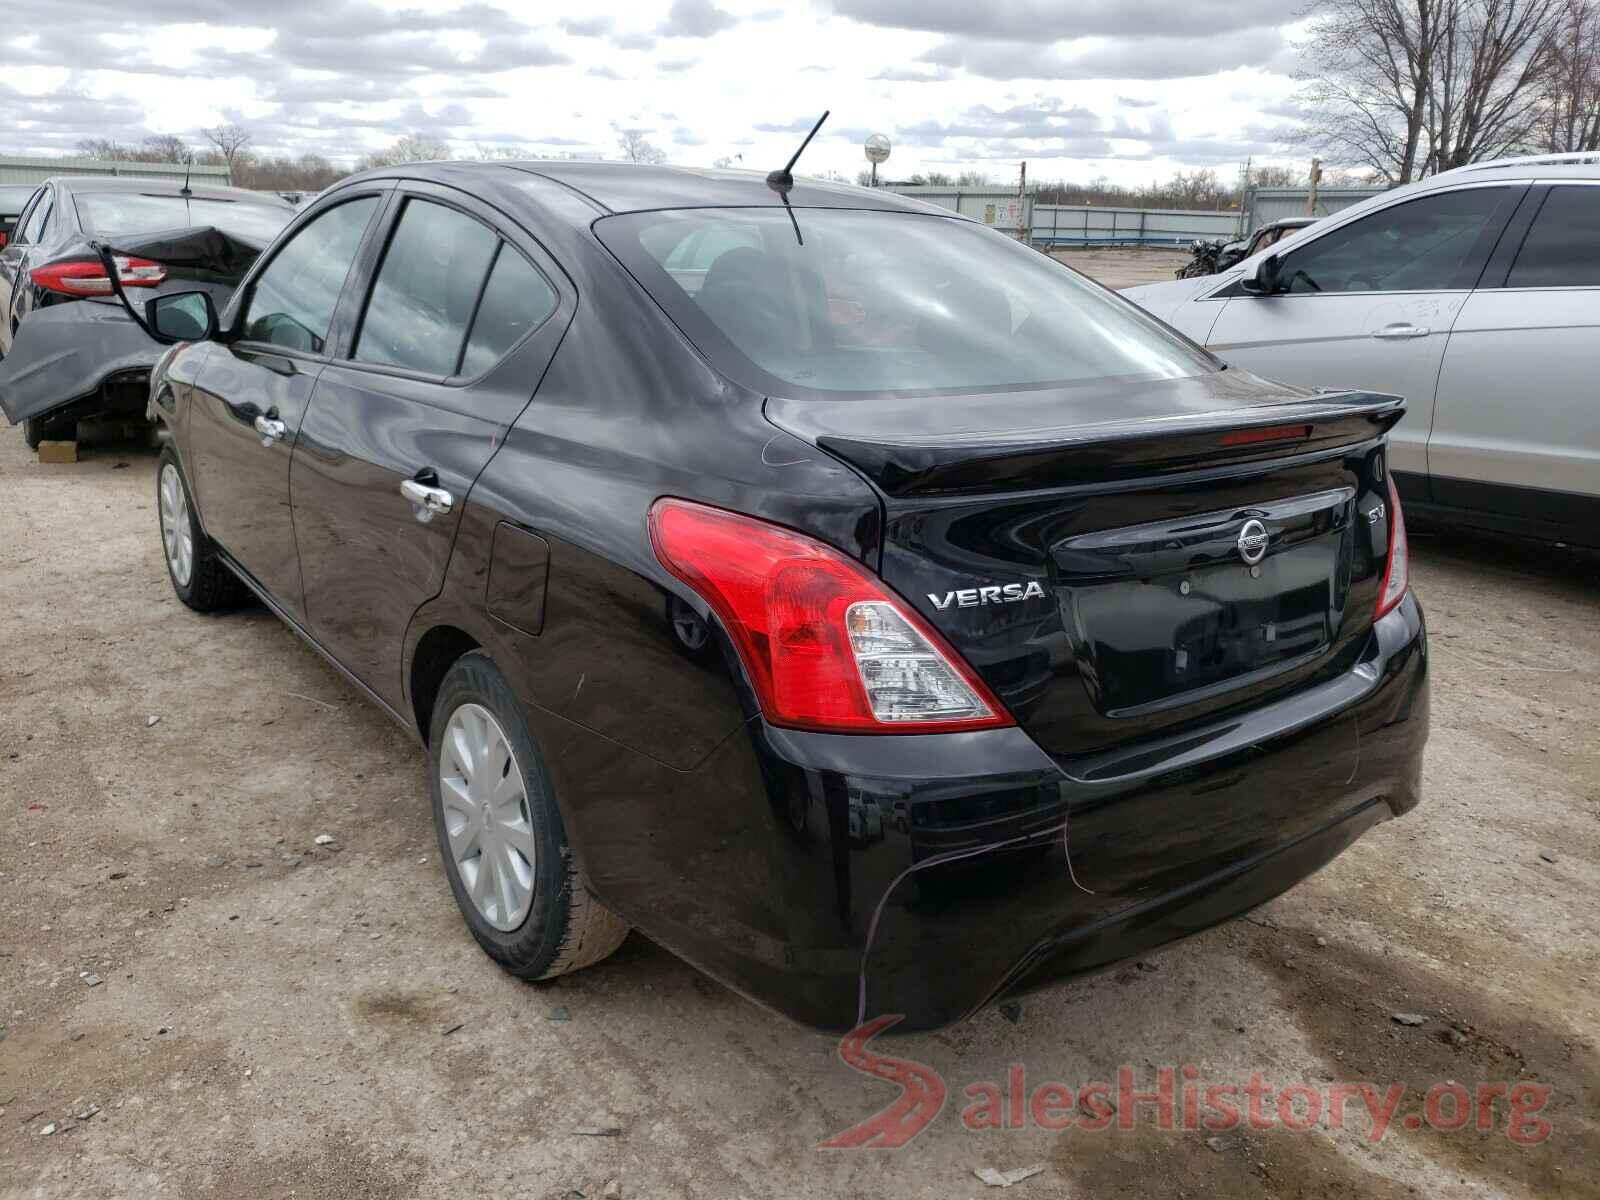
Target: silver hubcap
{"type": "Point", "coordinates": [175, 532]}
{"type": "Point", "coordinates": [486, 818]}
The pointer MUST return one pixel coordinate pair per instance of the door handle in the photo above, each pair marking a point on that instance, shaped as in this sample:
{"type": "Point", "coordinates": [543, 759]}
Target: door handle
{"type": "Point", "coordinates": [271, 429]}
{"type": "Point", "coordinates": [427, 500]}
{"type": "Point", "coordinates": [1399, 331]}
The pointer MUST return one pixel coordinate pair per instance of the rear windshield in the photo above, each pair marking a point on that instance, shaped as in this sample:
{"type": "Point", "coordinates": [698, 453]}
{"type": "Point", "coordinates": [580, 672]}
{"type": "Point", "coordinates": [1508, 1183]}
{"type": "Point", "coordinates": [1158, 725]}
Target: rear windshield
{"type": "Point", "coordinates": [117, 214]}
{"type": "Point", "coordinates": [873, 302]}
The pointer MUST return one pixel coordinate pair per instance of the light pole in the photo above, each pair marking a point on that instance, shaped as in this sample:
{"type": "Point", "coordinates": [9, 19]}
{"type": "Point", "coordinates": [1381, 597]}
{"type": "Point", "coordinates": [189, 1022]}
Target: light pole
{"type": "Point", "coordinates": [877, 149]}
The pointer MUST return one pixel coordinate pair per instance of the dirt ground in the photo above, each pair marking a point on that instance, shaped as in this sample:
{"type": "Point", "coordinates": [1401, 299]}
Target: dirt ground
{"type": "Point", "coordinates": [1123, 266]}
{"type": "Point", "coordinates": [273, 1018]}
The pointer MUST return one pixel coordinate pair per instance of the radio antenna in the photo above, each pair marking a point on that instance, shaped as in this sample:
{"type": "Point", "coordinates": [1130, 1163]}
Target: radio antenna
{"type": "Point", "coordinates": [782, 179]}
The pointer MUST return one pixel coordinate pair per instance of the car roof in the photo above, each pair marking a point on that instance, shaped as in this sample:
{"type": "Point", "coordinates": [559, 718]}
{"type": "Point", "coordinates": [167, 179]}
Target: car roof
{"type": "Point", "coordinates": [617, 187]}
{"type": "Point", "coordinates": [161, 187]}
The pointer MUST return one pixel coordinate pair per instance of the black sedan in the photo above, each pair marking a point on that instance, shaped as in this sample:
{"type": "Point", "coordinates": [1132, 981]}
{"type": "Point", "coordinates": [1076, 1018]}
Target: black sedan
{"type": "Point", "coordinates": [866, 607]}
{"type": "Point", "coordinates": [65, 359]}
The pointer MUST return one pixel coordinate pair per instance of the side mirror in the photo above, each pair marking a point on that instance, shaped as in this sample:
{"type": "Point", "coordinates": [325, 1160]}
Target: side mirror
{"type": "Point", "coordinates": [1263, 281]}
{"type": "Point", "coordinates": [181, 317]}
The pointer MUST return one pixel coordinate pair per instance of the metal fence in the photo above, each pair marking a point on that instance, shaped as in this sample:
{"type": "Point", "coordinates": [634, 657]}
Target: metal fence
{"type": "Point", "coordinates": [1273, 204]}
{"type": "Point", "coordinates": [1106, 225]}
{"type": "Point", "coordinates": [1096, 225]}
{"type": "Point", "coordinates": [37, 170]}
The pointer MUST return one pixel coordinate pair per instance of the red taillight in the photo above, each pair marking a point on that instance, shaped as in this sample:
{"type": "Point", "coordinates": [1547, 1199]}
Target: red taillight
{"type": "Point", "coordinates": [5, 241]}
{"type": "Point", "coordinates": [1397, 566]}
{"type": "Point", "coordinates": [826, 644]}
{"type": "Point", "coordinates": [1273, 433]}
{"type": "Point", "coordinates": [86, 278]}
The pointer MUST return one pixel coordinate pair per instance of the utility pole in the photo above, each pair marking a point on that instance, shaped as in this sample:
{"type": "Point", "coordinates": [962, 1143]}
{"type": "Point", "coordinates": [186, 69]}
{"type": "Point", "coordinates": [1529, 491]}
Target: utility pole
{"type": "Point", "coordinates": [1022, 206]}
{"type": "Point", "coordinates": [1316, 178]}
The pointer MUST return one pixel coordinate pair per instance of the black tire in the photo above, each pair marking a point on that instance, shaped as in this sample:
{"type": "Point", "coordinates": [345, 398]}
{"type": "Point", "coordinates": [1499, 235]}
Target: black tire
{"type": "Point", "coordinates": [44, 429]}
{"type": "Point", "coordinates": [211, 586]}
{"type": "Point", "coordinates": [565, 928]}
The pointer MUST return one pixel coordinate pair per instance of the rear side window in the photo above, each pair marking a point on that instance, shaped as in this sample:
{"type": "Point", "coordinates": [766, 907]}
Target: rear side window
{"type": "Point", "coordinates": [33, 228]}
{"type": "Point", "coordinates": [292, 302]}
{"type": "Point", "coordinates": [427, 287]}
{"type": "Point", "coordinates": [1435, 243]}
{"type": "Point", "coordinates": [516, 300]}
{"type": "Point", "coordinates": [1563, 247]}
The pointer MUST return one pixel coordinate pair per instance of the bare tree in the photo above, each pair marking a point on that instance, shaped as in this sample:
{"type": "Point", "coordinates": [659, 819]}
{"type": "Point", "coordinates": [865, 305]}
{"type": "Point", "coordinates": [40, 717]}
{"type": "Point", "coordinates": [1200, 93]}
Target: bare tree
{"type": "Point", "coordinates": [164, 147]}
{"type": "Point", "coordinates": [1484, 101]}
{"type": "Point", "coordinates": [1368, 94]}
{"type": "Point", "coordinates": [1569, 116]}
{"type": "Point", "coordinates": [229, 141]}
{"type": "Point", "coordinates": [106, 149]}
{"type": "Point", "coordinates": [413, 147]}
{"type": "Point", "coordinates": [1403, 88]}
{"type": "Point", "coordinates": [1274, 176]}
{"type": "Point", "coordinates": [636, 149]}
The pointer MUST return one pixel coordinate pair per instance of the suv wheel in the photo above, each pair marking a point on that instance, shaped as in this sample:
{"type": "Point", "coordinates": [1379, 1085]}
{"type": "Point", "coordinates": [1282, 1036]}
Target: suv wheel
{"type": "Point", "coordinates": [504, 846]}
{"type": "Point", "coordinates": [197, 573]}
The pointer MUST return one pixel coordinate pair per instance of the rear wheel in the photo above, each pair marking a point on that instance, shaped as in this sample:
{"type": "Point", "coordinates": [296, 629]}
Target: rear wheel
{"type": "Point", "coordinates": [504, 846]}
{"type": "Point", "coordinates": [198, 576]}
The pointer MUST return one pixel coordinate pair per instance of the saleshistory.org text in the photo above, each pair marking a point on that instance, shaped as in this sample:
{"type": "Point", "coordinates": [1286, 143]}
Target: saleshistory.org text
{"type": "Point", "coordinates": [1180, 1098]}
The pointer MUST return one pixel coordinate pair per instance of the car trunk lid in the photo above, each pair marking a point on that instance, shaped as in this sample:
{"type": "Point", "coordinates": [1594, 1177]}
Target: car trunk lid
{"type": "Point", "coordinates": [1112, 578]}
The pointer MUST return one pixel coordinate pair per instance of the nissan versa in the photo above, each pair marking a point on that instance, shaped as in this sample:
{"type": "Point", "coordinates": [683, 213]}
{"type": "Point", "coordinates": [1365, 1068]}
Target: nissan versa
{"type": "Point", "coordinates": [861, 604]}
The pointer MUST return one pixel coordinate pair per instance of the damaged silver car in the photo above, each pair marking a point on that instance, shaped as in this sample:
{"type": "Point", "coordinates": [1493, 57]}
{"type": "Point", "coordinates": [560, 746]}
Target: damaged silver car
{"type": "Point", "coordinates": [69, 348]}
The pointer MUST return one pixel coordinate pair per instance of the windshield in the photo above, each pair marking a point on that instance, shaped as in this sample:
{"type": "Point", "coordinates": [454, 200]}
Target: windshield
{"type": "Point", "coordinates": [116, 214]}
{"type": "Point", "coordinates": [884, 302]}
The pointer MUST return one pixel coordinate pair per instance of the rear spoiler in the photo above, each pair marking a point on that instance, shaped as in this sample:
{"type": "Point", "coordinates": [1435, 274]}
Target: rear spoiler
{"type": "Point", "coordinates": [1115, 450]}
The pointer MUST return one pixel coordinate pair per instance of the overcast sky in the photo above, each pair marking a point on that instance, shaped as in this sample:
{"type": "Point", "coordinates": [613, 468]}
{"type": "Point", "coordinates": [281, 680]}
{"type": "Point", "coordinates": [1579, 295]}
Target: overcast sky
{"type": "Point", "coordinates": [1130, 89]}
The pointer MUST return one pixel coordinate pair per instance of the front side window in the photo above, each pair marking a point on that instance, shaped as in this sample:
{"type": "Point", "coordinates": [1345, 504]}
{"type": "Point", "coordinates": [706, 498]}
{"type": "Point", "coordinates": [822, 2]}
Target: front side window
{"type": "Point", "coordinates": [1562, 248]}
{"type": "Point", "coordinates": [427, 287]}
{"type": "Point", "coordinates": [1434, 243]}
{"type": "Point", "coordinates": [292, 301]}
{"type": "Point", "coordinates": [884, 302]}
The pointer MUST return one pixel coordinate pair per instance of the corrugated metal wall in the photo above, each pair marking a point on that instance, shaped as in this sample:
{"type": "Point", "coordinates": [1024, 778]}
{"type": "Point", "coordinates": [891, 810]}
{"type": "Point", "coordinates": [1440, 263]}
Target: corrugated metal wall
{"type": "Point", "coordinates": [37, 170]}
{"type": "Point", "coordinates": [1093, 224]}
{"type": "Point", "coordinates": [1000, 207]}
{"type": "Point", "coordinates": [1273, 204]}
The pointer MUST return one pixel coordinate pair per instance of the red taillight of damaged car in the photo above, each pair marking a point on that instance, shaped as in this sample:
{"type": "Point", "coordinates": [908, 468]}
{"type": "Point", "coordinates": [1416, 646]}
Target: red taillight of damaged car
{"type": "Point", "coordinates": [89, 278]}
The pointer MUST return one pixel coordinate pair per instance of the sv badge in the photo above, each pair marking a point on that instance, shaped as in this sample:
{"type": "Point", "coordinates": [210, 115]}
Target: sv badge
{"type": "Point", "coordinates": [1006, 593]}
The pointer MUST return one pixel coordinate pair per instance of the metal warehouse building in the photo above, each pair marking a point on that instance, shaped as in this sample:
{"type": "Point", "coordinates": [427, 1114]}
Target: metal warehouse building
{"type": "Point", "coordinates": [36, 170]}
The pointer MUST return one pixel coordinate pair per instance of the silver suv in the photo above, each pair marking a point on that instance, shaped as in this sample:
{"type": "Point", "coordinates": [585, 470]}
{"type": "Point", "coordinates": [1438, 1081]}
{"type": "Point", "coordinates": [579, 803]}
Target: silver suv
{"type": "Point", "coordinates": [1476, 295]}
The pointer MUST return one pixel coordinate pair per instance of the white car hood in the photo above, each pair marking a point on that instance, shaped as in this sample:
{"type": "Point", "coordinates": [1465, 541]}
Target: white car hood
{"type": "Point", "coordinates": [1164, 299]}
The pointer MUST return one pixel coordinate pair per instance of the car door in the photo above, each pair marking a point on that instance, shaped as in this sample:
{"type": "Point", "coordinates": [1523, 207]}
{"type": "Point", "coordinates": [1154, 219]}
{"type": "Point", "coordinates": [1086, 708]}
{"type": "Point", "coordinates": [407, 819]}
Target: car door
{"type": "Point", "coordinates": [1517, 423]}
{"type": "Point", "coordinates": [1370, 304]}
{"type": "Point", "coordinates": [14, 264]}
{"type": "Point", "coordinates": [250, 398]}
{"type": "Point", "coordinates": [454, 333]}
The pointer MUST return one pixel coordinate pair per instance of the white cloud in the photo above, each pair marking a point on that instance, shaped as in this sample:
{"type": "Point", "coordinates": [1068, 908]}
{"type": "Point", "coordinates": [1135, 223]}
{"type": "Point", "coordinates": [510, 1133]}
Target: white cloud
{"type": "Point", "coordinates": [954, 83]}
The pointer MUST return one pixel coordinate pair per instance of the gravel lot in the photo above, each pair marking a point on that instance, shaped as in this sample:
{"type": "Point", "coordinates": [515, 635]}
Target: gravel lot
{"type": "Point", "coordinates": [274, 1018]}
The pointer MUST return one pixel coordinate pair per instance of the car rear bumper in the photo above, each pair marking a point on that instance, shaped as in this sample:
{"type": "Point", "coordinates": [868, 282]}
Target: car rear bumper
{"type": "Point", "coordinates": [837, 878]}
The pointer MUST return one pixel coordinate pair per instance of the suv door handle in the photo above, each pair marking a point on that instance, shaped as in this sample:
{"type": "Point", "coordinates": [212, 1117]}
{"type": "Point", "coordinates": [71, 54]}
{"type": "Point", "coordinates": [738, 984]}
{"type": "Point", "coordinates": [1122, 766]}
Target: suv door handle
{"type": "Point", "coordinates": [426, 499]}
{"type": "Point", "coordinates": [1399, 331]}
{"type": "Point", "coordinates": [271, 429]}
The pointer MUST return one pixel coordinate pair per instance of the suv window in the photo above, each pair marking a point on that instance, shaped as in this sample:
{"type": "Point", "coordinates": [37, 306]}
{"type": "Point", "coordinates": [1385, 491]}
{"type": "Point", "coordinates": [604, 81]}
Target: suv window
{"type": "Point", "coordinates": [516, 300]}
{"type": "Point", "coordinates": [1563, 247]}
{"type": "Point", "coordinates": [292, 302]}
{"type": "Point", "coordinates": [1429, 244]}
{"type": "Point", "coordinates": [423, 299]}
